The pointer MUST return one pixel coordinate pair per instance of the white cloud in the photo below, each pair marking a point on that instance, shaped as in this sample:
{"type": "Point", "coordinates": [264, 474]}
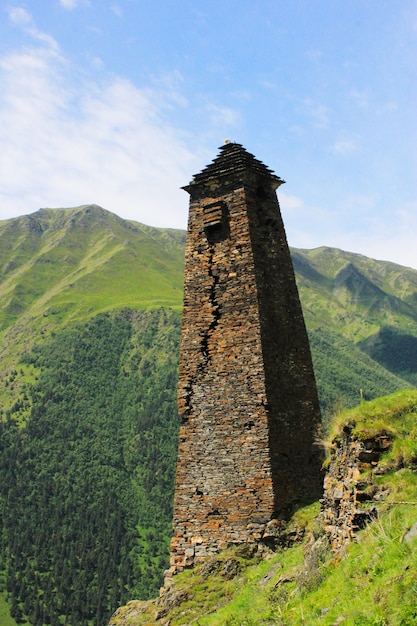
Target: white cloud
{"type": "Point", "coordinates": [68, 141]}
{"type": "Point", "coordinates": [73, 4]}
{"type": "Point", "coordinates": [97, 62]}
{"type": "Point", "coordinates": [319, 113]}
{"type": "Point", "coordinates": [222, 116]}
{"type": "Point", "coordinates": [360, 98]}
{"type": "Point", "coordinates": [394, 240]}
{"type": "Point", "coordinates": [19, 16]}
{"type": "Point", "coordinates": [116, 9]}
{"type": "Point", "coordinates": [356, 225]}
{"type": "Point", "coordinates": [345, 146]}
{"type": "Point", "coordinates": [314, 54]}
{"type": "Point", "coordinates": [290, 203]}
{"type": "Point", "coordinates": [388, 107]}
{"type": "Point", "coordinates": [68, 4]}
{"type": "Point", "coordinates": [267, 84]}
{"type": "Point", "coordinates": [22, 18]}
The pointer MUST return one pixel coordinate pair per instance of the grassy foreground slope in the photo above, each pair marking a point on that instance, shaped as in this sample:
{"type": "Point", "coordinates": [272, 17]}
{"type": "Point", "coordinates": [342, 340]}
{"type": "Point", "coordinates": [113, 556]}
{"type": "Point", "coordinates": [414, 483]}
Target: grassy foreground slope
{"type": "Point", "coordinates": [373, 584]}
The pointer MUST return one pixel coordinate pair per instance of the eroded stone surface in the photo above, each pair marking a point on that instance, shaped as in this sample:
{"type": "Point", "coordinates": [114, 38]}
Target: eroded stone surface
{"type": "Point", "coordinates": [348, 487]}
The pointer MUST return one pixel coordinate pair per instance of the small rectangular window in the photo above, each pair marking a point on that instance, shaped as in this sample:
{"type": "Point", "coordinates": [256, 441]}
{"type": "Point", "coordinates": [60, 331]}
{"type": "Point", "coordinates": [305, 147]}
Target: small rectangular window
{"type": "Point", "coordinates": [214, 214]}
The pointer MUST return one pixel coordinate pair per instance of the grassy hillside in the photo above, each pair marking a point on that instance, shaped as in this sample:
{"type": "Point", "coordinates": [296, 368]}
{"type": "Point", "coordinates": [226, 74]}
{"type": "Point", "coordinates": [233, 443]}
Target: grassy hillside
{"type": "Point", "coordinates": [371, 304]}
{"type": "Point", "coordinates": [62, 266]}
{"type": "Point", "coordinates": [373, 583]}
{"type": "Point", "coordinates": [354, 294]}
{"type": "Point", "coordinates": [70, 263]}
{"type": "Point", "coordinates": [59, 266]}
{"type": "Point", "coordinates": [345, 375]}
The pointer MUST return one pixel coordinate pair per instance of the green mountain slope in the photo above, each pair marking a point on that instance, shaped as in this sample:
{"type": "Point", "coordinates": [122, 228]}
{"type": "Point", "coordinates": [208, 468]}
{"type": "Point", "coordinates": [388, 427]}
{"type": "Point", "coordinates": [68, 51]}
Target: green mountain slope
{"type": "Point", "coordinates": [356, 307]}
{"type": "Point", "coordinates": [62, 265]}
{"type": "Point", "coordinates": [344, 374]}
{"type": "Point", "coordinates": [354, 294]}
{"type": "Point", "coordinates": [58, 266]}
{"type": "Point", "coordinates": [89, 335]}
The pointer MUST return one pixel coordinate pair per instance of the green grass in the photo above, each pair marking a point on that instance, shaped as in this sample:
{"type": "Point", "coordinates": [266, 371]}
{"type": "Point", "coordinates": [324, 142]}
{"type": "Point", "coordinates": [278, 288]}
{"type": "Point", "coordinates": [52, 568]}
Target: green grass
{"type": "Point", "coordinates": [5, 619]}
{"type": "Point", "coordinates": [373, 584]}
{"type": "Point", "coordinates": [74, 263]}
{"type": "Point", "coordinates": [394, 415]}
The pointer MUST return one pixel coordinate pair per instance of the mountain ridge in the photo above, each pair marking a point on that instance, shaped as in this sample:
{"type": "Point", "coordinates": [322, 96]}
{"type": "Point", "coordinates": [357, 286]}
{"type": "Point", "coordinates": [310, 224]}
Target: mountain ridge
{"type": "Point", "coordinates": [330, 268]}
{"type": "Point", "coordinates": [60, 266]}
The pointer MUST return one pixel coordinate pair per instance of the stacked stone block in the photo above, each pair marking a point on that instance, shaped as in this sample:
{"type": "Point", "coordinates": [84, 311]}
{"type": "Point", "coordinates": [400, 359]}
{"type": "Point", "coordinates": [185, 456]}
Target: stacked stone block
{"type": "Point", "coordinates": [247, 396]}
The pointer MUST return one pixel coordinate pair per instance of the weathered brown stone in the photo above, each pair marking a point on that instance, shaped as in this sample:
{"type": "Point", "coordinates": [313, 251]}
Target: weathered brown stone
{"type": "Point", "coordinates": [348, 485]}
{"type": "Point", "coordinates": [247, 396]}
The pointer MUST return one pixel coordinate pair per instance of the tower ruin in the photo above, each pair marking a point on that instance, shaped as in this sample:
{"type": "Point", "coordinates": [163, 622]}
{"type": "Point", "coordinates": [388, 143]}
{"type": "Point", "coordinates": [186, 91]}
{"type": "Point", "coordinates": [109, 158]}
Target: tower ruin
{"type": "Point", "coordinates": [247, 395]}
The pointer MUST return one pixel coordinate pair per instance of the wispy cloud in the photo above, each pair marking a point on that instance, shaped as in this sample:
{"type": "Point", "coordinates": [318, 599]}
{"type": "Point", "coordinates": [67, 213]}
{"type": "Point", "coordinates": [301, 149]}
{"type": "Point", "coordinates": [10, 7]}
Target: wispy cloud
{"type": "Point", "coordinates": [67, 140]}
{"type": "Point", "coordinates": [360, 98]}
{"type": "Point", "coordinates": [23, 19]}
{"type": "Point", "coordinates": [116, 9]}
{"type": "Point", "coordinates": [317, 112]}
{"type": "Point", "coordinates": [290, 203]}
{"type": "Point", "coordinates": [222, 115]}
{"type": "Point", "coordinates": [345, 146]}
{"type": "Point", "coordinates": [267, 84]}
{"type": "Point", "coordinates": [354, 223]}
{"type": "Point", "coordinates": [19, 15]}
{"type": "Point", "coordinates": [385, 239]}
{"type": "Point", "coordinates": [68, 4]}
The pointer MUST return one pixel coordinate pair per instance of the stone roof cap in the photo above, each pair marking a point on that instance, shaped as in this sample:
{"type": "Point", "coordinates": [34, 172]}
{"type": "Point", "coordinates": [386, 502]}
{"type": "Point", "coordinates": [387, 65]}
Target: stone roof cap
{"type": "Point", "coordinates": [233, 160]}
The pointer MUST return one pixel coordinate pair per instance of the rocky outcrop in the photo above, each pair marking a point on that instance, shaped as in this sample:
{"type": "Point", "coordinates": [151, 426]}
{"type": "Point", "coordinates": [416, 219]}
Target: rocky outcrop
{"type": "Point", "coordinates": [350, 493]}
{"type": "Point", "coordinates": [132, 613]}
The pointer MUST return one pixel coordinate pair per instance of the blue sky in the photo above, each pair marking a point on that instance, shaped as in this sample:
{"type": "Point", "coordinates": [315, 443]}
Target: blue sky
{"type": "Point", "coordinates": [119, 103]}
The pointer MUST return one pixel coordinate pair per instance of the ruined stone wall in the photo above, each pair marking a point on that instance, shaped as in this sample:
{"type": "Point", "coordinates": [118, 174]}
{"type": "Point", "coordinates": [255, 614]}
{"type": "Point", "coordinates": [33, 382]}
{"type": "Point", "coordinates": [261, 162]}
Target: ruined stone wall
{"type": "Point", "coordinates": [246, 396]}
{"type": "Point", "coordinates": [349, 488]}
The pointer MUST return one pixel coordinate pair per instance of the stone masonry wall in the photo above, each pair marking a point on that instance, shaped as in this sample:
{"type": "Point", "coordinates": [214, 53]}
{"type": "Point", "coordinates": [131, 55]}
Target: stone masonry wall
{"type": "Point", "coordinates": [246, 396]}
{"type": "Point", "coordinates": [348, 487]}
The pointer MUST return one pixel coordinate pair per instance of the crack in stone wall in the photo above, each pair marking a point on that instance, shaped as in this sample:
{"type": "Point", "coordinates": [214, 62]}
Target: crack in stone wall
{"type": "Point", "coordinates": [188, 394]}
{"type": "Point", "coordinates": [215, 309]}
{"type": "Point", "coordinates": [246, 394]}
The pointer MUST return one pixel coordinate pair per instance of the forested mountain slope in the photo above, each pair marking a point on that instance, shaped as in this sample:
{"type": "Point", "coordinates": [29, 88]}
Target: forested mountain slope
{"type": "Point", "coordinates": [87, 462]}
{"type": "Point", "coordinates": [372, 303]}
{"type": "Point", "coordinates": [89, 333]}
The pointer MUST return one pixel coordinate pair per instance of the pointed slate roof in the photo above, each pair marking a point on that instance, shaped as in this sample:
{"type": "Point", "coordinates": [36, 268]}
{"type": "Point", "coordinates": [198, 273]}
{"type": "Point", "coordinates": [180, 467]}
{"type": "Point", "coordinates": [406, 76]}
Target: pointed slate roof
{"type": "Point", "coordinates": [233, 160]}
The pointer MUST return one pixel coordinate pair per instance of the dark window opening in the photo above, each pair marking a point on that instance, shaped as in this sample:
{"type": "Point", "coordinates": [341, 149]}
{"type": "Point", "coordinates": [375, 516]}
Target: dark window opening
{"type": "Point", "coordinates": [216, 222]}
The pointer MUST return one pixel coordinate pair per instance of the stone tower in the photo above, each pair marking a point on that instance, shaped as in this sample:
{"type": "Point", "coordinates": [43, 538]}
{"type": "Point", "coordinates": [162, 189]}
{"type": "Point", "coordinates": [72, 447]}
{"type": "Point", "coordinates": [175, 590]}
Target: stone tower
{"type": "Point", "coordinates": [247, 395]}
